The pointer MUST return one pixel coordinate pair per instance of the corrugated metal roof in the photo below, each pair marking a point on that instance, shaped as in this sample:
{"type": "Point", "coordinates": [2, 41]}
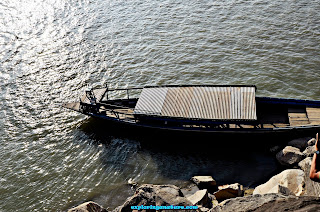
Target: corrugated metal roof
{"type": "Point", "coordinates": [199, 102]}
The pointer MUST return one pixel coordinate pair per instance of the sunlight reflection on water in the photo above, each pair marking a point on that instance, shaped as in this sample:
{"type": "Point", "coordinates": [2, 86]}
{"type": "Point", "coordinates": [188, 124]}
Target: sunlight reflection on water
{"type": "Point", "coordinates": [51, 50]}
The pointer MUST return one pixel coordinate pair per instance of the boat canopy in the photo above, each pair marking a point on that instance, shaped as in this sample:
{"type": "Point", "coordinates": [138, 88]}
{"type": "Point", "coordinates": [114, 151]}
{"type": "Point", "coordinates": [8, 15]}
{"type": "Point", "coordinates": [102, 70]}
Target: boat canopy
{"type": "Point", "coordinates": [236, 103]}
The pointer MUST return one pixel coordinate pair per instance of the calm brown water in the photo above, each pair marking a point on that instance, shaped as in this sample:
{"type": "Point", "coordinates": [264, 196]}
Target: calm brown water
{"type": "Point", "coordinates": [51, 159]}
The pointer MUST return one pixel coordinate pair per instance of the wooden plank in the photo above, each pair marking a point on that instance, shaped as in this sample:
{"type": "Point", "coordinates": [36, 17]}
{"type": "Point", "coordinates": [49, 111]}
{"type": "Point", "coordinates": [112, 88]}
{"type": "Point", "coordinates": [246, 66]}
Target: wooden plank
{"type": "Point", "coordinates": [298, 117]}
{"type": "Point", "coordinates": [281, 125]}
{"type": "Point", "coordinates": [313, 115]}
{"type": "Point", "coordinates": [299, 123]}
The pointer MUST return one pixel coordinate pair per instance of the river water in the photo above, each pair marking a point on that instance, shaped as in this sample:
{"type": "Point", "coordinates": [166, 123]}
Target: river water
{"type": "Point", "coordinates": [50, 50]}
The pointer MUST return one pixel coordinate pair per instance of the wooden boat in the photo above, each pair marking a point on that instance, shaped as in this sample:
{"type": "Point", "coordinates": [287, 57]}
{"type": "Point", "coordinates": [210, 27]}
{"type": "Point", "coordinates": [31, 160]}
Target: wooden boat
{"type": "Point", "coordinates": [207, 109]}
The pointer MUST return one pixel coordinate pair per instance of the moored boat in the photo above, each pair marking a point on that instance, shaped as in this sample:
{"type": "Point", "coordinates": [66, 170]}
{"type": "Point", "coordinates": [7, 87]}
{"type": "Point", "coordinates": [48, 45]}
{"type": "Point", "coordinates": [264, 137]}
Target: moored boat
{"type": "Point", "coordinates": [232, 109]}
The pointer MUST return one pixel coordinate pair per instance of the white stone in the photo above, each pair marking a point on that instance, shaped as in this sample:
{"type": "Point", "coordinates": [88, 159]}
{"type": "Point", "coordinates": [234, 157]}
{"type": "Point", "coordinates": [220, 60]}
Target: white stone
{"type": "Point", "coordinates": [293, 179]}
{"type": "Point", "coordinates": [199, 198]}
{"type": "Point", "coordinates": [203, 179]}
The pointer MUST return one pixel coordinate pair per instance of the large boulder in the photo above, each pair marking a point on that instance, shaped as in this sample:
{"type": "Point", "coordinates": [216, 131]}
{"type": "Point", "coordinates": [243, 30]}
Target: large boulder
{"type": "Point", "coordinates": [247, 203]}
{"type": "Point", "coordinates": [312, 188]}
{"type": "Point", "coordinates": [88, 207]}
{"type": "Point", "coordinates": [297, 204]}
{"type": "Point", "coordinates": [291, 179]}
{"type": "Point", "coordinates": [229, 191]}
{"type": "Point", "coordinates": [156, 195]}
{"type": "Point", "coordinates": [270, 203]}
{"type": "Point", "coordinates": [300, 143]}
{"type": "Point", "coordinates": [289, 156]}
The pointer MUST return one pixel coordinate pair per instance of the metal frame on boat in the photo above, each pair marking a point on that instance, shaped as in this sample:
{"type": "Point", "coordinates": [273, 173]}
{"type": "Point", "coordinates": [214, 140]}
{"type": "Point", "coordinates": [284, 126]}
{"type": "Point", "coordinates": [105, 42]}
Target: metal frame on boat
{"type": "Point", "coordinates": [205, 108]}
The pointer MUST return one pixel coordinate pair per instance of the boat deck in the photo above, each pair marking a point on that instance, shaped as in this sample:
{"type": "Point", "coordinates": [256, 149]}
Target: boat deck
{"type": "Point", "coordinates": [304, 116]}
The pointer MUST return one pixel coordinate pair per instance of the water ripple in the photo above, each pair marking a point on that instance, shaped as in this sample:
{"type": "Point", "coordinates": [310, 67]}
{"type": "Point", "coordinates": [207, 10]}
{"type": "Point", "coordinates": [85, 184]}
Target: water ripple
{"type": "Point", "coordinates": [51, 50]}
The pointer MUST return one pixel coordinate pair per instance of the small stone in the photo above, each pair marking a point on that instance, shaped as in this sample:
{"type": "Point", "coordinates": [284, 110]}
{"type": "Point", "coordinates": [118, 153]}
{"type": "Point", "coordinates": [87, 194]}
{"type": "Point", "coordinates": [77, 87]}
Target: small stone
{"type": "Point", "coordinates": [229, 191]}
{"type": "Point", "coordinates": [148, 194]}
{"type": "Point", "coordinates": [312, 142]}
{"type": "Point", "coordinates": [200, 198]}
{"type": "Point", "coordinates": [203, 179]}
{"type": "Point", "coordinates": [248, 191]}
{"type": "Point", "coordinates": [309, 151]}
{"type": "Point", "coordinates": [132, 183]}
{"type": "Point", "coordinates": [88, 207]}
{"type": "Point", "coordinates": [203, 209]}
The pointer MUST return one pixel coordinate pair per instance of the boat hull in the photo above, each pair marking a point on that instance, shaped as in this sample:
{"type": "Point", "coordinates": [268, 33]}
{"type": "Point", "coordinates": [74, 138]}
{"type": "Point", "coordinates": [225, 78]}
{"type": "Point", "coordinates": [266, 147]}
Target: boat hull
{"type": "Point", "coordinates": [115, 127]}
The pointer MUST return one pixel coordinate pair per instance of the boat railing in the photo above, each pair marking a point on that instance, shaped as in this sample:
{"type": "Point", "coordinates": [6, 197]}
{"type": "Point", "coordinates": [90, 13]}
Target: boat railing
{"type": "Point", "coordinates": [127, 93]}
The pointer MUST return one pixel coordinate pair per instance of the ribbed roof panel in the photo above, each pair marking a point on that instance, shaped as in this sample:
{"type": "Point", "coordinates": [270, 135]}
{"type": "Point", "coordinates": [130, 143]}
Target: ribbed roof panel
{"type": "Point", "coordinates": [199, 102]}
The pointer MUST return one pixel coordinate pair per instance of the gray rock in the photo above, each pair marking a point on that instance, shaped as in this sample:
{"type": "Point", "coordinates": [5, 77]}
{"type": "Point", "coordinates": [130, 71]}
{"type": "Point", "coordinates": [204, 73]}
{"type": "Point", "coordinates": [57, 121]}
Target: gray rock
{"type": "Point", "coordinates": [190, 190]}
{"type": "Point", "coordinates": [88, 207]}
{"type": "Point", "coordinates": [270, 203]}
{"type": "Point", "coordinates": [309, 151]}
{"type": "Point", "coordinates": [300, 143]}
{"type": "Point", "coordinates": [205, 182]}
{"type": "Point", "coordinates": [246, 203]}
{"type": "Point", "coordinates": [279, 189]}
{"type": "Point", "coordinates": [312, 188]}
{"type": "Point", "coordinates": [200, 198]}
{"type": "Point", "coordinates": [292, 179]}
{"type": "Point", "coordinates": [156, 195]}
{"type": "Point", "coordinates": [297, 204]}
{"type": "Point", "coordinates": [289, 156]}
{"type": "Point", "coordinates": [305, 164]}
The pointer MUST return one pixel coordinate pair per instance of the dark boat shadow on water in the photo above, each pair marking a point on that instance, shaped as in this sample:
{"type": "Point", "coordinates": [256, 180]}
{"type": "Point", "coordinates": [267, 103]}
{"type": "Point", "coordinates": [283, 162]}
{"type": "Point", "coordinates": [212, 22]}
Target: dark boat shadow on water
{"type": "Point", "coordinates": [176, 157]}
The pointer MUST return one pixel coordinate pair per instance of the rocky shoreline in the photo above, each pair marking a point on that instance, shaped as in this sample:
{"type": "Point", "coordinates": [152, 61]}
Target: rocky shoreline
{"type": "Point", "coordinates": [290, 190]}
